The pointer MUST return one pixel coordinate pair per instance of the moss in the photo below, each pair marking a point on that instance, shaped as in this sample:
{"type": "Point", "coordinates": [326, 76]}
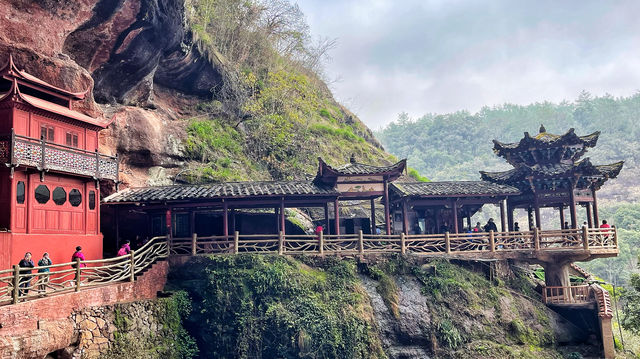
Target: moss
{"type": "Point", "coordinates": [274, 306]}
{"type": "Point", "coordinates": [172, 341]}
{"type": "Point", "coordinates": [416, 175]}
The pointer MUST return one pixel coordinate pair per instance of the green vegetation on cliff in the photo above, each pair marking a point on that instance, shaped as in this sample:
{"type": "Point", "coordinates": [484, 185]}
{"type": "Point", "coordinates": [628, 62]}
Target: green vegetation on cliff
{"type": "Point", "coordinates": [253, 306]}
{"type": "Point", "coordinates": [273, 104]}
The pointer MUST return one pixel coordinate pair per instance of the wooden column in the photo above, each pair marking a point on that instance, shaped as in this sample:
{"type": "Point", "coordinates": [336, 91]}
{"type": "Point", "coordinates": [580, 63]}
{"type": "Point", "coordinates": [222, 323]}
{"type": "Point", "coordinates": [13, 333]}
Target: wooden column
{"type": "Point", "coordinates": [336, 215]}
{"type": "Point", "coordinates": [225, 219]}
{"type": "Point", "coordinates": [537, 211]}
{"type": "Point", "coordinates": [455, 216]}
{"type": "Point", "coordinates": [117, 210]}
{"type": "Point", "coordinates": [282, 217]}
{"type": "Point", "coordinates": [530, 218]}
{"type": "Point", "coordinates": [405, 219]}
{"type": "Point", "coordinates": [589, 218]}
{"type": "Point", "coordinates": [503, 219]}
{"type": "Point", "coordinates": [168, 222]}
{"type": "Point", "coordinates": [327, 228]}
{"type": "Point", "coordinates": [572, 207]}
{"type": "Point", "coordinates": [275, 212]}
{"type": "Point", "coordinates": [192, 222]}
{"type": "Point", "coordinates": [596, 220]}
{"type": "Point", "coordinates": [373, 216]}
{"type": "Point", "coordinates": [233, 220]}
{"type": "Point", "coordinates": [469, 219]}
{"type": "Point", "coordinates": [387, 221]}
{"type": "Point", "coordinates": [510, 221]}
{"type": "Point", "coordinates": [562, 217]}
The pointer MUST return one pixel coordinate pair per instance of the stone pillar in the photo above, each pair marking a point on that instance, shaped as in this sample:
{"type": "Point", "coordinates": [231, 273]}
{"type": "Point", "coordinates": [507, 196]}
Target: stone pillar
{"type": "Point", "coordinates": [606, 330]}
{"type": "Point", "coordinates": [556, 274]}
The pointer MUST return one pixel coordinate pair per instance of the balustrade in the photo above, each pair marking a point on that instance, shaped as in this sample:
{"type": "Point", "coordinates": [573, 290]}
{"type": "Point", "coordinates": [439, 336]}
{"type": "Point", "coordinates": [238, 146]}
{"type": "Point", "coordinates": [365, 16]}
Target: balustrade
{"type": "Point", "coordinates": [17, 150]}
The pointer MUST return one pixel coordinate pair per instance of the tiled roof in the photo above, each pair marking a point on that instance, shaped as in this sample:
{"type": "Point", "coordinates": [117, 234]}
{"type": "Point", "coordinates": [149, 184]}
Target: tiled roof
{"type": "Point", "coordinates": [362, 169]}
{"type": "Point", "coordinates": [219, 190]}
{"type": "Point", "coordinates": [546, 139]}
{"type": "Point", "coordinates": [584, 167]}
{"type": "Point", "coordinates": [453, 188]}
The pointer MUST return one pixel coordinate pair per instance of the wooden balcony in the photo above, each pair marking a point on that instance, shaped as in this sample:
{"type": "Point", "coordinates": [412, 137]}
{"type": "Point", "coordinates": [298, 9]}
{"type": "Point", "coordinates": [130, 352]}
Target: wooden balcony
{"type": "Point", "coordinates": [17, 150]}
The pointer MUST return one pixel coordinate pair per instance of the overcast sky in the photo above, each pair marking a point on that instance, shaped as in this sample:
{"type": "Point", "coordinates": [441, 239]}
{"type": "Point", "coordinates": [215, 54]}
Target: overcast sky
{"type": "Point", "coordinates": [440, 56]}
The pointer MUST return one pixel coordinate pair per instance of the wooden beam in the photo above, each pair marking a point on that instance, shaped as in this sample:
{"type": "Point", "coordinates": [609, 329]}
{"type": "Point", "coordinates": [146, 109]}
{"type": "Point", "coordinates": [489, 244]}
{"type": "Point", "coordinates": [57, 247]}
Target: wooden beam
{"type": "Point", "coordinates": [336, 213]}
{"type": "Point", "coordinates": [574, 213]}
{"type": "Point", "coordinates": [405, 219]}
{"type": "Point", "coordinates": [327, 227]}
{"type": "Point", "coordinates": [282, 217]}
{"type": "Point", "coordinates": [373, 216]}
{"type": "Point", "coordinates": [455, 215]}
{"type": "Point", "coordinates": [387, 220]}
{"type": "Point", "coordinates": [225, 219]}
{"type": "Point", "coordinates": [596, 220]}
{"type": "Point", "coordinates": [503, 219]}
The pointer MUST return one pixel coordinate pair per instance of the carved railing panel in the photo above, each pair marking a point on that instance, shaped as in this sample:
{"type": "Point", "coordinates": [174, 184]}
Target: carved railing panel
{"type": "Point", "coordinates": [301, 244]}
{"type": "Point", "coordinates": [381, 244]}
{"type": "Point", "coordinates": [513, 241]}
{"type": "Point", "coordinates": [576, 294]}
{"type": "Point", "coordinates": [425, 244]}
{"type": "Point", "coordinates": [258, 243]}
{"type": "Point", "coordinates": [5, 151]}
{"type": "Point", "coordinates": [561, 239]}
{"type": "Point", "coordinates": [28, 152]}
{"type": "Point", "coordinates": [606, 238]}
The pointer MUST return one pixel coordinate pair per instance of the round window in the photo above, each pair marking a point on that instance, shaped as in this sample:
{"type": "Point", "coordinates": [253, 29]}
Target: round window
{"type": "Point", "coordinates": [75, 197]}
{"type": "Point", "coordinates": [59, 196]}
{"type": "Point", "coordinates": [42, 194]}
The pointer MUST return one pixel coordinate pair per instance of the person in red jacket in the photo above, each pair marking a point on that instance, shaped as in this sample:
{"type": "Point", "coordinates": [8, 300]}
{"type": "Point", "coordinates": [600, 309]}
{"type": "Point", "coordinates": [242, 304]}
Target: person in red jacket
{"type": "Point", "coordinates": [605, 224]}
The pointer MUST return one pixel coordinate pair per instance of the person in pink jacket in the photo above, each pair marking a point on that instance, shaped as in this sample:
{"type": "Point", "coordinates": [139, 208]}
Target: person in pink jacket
{"type": "Point", "coordinates": [78, 255]}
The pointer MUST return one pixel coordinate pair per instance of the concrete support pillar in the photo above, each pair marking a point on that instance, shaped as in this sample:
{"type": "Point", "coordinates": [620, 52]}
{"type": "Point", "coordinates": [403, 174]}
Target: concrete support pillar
{"type": "Point", "coordinates": [606, 330]}
{"type": "Point", "coordinates": [556, 274]}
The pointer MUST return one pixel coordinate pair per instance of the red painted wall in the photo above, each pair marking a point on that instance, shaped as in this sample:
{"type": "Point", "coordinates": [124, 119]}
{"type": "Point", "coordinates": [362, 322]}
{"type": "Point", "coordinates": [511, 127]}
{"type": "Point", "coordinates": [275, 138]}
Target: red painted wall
{"type": "Point", "coordinates": [59, 246]}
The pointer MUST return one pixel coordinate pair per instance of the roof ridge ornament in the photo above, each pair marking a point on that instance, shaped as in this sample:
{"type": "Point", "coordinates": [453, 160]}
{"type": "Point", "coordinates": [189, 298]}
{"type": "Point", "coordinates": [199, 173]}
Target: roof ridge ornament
{"type": "Point", "coordinates": [542, 129]}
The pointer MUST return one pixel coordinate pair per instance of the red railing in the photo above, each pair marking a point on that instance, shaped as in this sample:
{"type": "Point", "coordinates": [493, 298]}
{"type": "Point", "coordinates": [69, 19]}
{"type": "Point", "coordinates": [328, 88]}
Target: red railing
{"type": "Point", "coordinates": [17, 150]}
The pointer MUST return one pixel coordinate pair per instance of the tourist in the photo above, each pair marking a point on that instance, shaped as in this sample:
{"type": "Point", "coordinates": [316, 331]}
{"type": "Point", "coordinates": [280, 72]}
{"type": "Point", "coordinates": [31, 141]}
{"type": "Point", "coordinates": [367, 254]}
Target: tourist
{"type": "Point", "coordinates": [605, 224]}
{"type": "Point", "coordinates": [25, 280]}
{"type": "Point", "coordinates": [378, 231]}
{"type": "Point", "coordinates": [477, 228]}
{"type": "Point", "coordinates": [124, 249]}
{"type": "Point", "coordinates": [416, 228]}
{"type": "Point", "coordinates": [78, 255]}
{"type": "Point", "coordinates": [490, 226]}
{"type": "Point", "coordinates": [516, 227]}
{"type": "Point", "coordinates": [566, 225]}
{"type": "Point", "coordinates": [44, 272]}
{"type": "Point", "coordinates": [319, 230]}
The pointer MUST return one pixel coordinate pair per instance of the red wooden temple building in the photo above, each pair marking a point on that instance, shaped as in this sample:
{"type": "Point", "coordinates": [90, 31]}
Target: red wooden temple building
{"type": "Point", "coordinates": [49, 180]}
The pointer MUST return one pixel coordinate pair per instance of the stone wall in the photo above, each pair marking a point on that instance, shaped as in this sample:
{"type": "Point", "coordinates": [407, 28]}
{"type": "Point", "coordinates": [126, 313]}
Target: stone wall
{"type": "Point", "coordinates": [34, 328]}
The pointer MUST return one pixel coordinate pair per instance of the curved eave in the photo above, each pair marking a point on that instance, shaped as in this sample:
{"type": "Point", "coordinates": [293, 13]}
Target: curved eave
{"type": "Point", "coordinates": [394, 171]}
{"type": "Point", "coordinates": [447, 189]}
{"type": "Point", "coordinates": [11, 70]}
{"type": "Point", "coordinates": [610, 170]}
{"type": "Point", "coordinates": [63, 111]}
{"type": "Point", "coordinates": [501, 148]}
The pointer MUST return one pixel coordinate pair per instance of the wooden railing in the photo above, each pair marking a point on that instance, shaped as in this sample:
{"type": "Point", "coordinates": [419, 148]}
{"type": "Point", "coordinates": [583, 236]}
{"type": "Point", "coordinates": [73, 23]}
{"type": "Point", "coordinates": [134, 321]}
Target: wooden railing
{"type": "Point", "coordinates": [17, 150]}
{"type": "Point", "coordinates": [591, 239]}
{"type": "Point", "coordinates": [576, 294]}
{"type": "Point", "coordinates": [19, 284]}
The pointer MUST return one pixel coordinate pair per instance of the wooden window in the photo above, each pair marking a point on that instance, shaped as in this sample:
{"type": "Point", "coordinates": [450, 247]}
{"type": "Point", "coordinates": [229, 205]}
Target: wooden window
{"type": "Point", "coordinates": [181, 225]}
{"type": "Point", "coordinates": [158, 225]}
{"type": "Point", "coordinates": [92, 200]}
{"type": "Point", "coordinates": [20, 192]}
{"type": "Point", "coordinates": [59, 196]}
{"type": "Point", "coordinates": [47, 133]}
{"type": "Point", "coordinates": [42, 194]}
{"type": "Point", "coordinates": [75, 197]}
{"type": "Point", "coordinates": [72, 139]}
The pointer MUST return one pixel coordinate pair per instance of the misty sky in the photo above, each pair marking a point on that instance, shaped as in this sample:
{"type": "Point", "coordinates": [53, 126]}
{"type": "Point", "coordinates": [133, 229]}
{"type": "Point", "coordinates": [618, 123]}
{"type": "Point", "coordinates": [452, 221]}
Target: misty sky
{"type": "Point", "coordinates": [447, 55]}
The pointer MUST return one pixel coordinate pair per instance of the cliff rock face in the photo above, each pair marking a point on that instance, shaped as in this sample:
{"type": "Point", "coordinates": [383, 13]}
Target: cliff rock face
{"type": "Point", "coordinates": [135, 55]}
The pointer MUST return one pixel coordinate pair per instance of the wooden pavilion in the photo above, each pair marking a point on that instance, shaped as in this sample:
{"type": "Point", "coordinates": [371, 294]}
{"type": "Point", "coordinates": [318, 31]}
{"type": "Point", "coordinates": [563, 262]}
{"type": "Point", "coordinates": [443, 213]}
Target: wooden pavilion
{"type": "Point", "coordinates": [549, 173]}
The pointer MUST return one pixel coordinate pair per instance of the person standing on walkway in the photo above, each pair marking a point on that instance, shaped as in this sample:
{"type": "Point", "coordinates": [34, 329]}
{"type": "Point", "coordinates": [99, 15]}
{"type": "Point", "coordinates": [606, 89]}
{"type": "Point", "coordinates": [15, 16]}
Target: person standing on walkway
{"type": "Point", "coordinates": [25, 280]}
{"type": "Point", "coordinates": [44, 272]}
{"type": "Point", "coordinates": [124, 249]}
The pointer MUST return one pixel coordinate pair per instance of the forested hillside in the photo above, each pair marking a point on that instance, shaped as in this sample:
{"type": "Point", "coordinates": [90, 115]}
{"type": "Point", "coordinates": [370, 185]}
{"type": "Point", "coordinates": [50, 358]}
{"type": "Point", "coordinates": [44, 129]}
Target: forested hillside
{"type": "Point", "coordinates": [458, 145]}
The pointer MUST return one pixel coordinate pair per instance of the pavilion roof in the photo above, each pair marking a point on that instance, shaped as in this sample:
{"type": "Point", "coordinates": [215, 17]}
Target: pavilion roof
{"type": "Point", "coordinates": [544, 140]}
{"type": "Point", "coordinates": [220, 191]}
{"type": "Point", "coordinates": [9, 69]}
{"type": "Point", "coordinates": [452, 189]}
{"type": "Point", "coordinates": [583, 168]}
{"type": "Point", "coordinates": [328, 173]}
